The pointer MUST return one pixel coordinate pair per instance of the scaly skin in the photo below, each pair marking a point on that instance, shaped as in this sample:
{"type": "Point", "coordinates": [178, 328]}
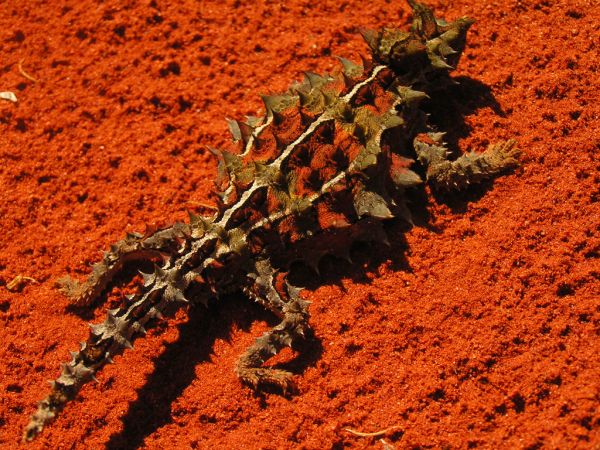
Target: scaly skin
{"type": "Point", "coordinates": [325, 165]}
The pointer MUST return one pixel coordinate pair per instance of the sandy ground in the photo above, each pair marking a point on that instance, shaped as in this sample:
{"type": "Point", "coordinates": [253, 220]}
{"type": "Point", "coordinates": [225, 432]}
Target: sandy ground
{"type": "Point", "coordinates": [478, 328]}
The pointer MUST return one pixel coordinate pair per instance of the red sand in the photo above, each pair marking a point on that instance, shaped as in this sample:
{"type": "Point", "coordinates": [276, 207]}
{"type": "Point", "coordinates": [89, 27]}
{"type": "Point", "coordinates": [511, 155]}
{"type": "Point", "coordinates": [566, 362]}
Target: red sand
{"type": "Point", "coordinates": [481, 330]}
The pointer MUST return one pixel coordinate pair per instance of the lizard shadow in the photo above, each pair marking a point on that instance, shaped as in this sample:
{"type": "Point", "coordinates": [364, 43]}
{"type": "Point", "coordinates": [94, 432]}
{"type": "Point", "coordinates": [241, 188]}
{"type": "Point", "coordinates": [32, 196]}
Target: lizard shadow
{"type": "Point", "coordinates": [174, 369]}
{"type": "Point", "coordinates": [448, 113]}
{"type": "Point", "coordinates": [365, 258]}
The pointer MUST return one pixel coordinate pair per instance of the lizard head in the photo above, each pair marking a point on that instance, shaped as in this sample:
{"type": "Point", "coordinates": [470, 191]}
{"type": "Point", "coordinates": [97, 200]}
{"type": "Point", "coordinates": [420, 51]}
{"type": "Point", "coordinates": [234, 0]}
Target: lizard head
{"type": "Point", "coordinates": [432, 46]}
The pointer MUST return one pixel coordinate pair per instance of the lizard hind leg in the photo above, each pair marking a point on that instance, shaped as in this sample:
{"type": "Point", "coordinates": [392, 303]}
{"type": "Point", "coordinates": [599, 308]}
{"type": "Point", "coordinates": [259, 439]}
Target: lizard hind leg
{"type": "Point", "coordinates": [135, 247]}
{"type": "Point", "coordinates": [293, 312]}
{"type": "Point", "coordinates": [444, 174]}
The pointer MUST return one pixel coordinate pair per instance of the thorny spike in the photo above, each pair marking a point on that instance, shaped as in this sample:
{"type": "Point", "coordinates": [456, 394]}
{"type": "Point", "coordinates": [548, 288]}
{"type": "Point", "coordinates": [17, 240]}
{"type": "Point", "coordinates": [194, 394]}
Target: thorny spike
{"type": "Point", "coordinates": [287, 341]}
{"type": "Point", "coordinates": [368, 203]}
{"type": "Point", "coordinates": [371, 37]}
{"type": "Point", "coordinates": [215, 151]}
{"type": "Point", "coordinates": [437, 137]}
{"type": "Point", "coordinates": [392, 121]}
{"type": "Point", "coordinates": [439, 63]}
{"type": "Point", "coordinates": [155, 313]}
{"type": "Point", "coordinates": [279, 143]}
{"type": "Point", "coordinates": [328, 97]}
{"type": "Point", "coordinates": [293, 291]}
{"type": "Point", "coordinates": [159, 271]}
{"type": "Point", "coordinates": [304, 97]}
{"type": "Point", "coordinates": [246, 131]}
{"type": "Point", "coordinates": [96, 329]}
{"type": "Point", "coordinates": [348, 82]}
{"type": "Point", "coordinates": [406, 178]}
{"type": "Point", "coordinates": [315, 80]}
{"type": "Point", "coordinates": [366, 63]}
{"type": "Point", "coordinates": [345, 255]}
{"type": "Point", "coordinates": [386, 240]}
{"type": "Point", "coordinates": [446, 50]}
{"type": "Point", "coordinates": [234, 129]}
{"type": "Point", "coordinates": [240, 130]}
{"type": "Point", "coordinates": [124, 342]}
{"type": "Point", "coordinates": [405, 213]}
{"type": "Point", "coordinates": [233, 162]}
{"type": "Point", "coordinates": [351, 69]}
{"type": "Point", "coordinates": [409, 95]}
{"type": "Point", "coordinates": [272, 103]}
{"type": "Point", "coordinates": [253, 121]}
{"type": "Point", "coordinates": [175, 294]}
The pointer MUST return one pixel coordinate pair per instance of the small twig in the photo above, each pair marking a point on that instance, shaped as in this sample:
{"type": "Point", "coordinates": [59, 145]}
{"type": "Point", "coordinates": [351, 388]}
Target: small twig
{"type": "Point", "coordinates": [374, 434]}
{"type": "Point", "coordinates": [19, 282]}
{"type": "Point", "coordinates": [25, 74]}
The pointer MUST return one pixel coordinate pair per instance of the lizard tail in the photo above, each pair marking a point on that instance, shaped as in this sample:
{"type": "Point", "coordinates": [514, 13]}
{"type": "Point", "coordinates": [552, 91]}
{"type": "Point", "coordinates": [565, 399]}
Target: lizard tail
{"type": "Point", "coordinates": [107, 339]}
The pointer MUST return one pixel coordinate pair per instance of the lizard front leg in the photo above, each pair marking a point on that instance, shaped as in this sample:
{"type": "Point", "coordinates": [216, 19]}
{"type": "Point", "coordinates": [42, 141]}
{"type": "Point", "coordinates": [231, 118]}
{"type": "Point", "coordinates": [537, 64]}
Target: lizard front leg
{"type": "Point", "coordinates": [271, 291]}
{"type": "Point", "coordinates": [444, 174]}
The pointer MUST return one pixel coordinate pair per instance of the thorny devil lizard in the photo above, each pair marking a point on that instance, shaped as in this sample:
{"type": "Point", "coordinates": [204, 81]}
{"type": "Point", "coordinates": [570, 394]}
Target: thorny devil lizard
{"type": "Point", "coordinates": [325, 165]}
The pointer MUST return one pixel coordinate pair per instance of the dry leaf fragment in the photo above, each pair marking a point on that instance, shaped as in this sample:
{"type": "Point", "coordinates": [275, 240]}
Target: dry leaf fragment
{"type": "Point", "coordinates": [7, 95]}
{"type": "Point", "coordinates": [25, 74]}
{"type": "Point", "coordinates": [19, 283]}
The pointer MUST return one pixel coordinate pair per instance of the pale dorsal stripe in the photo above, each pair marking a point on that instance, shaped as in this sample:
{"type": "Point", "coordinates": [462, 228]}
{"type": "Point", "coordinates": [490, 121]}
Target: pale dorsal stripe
{"type": "Point", "coordinates": [257, 184]}
{"type": "Point", "coordinates": [326, 116]}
